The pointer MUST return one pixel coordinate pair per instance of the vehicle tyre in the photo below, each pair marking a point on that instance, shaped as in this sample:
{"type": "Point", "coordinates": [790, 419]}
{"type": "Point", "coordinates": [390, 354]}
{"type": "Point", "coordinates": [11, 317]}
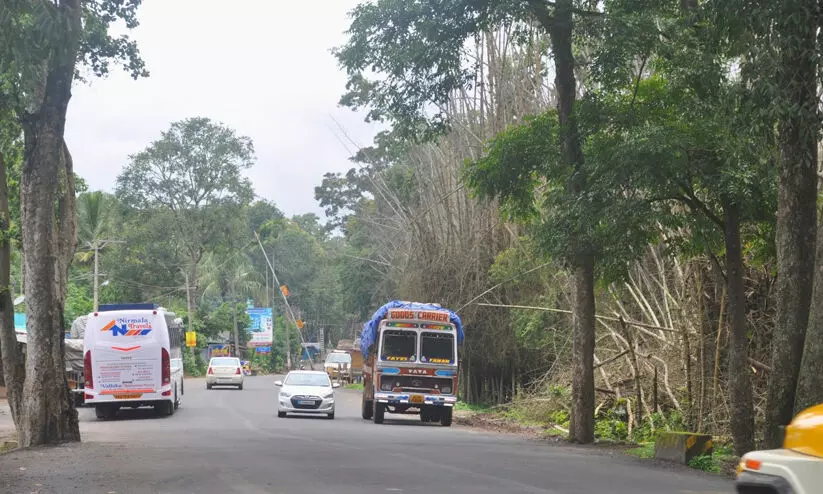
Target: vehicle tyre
{"type": "Point", "coordinates": [182, 388]}
{"type": "Point", "coordinates": [331, 416]}
{"type": "Point", "coordinates": [379, 412]}
{"type": "Point", "coordinates": [281, 414]}
{"type": "Point", "coordinates": [208, 386]}
{"type": "Point", "coordinates": [106, 412]}
{"type": "Point", "coordinates": [240, 388]}
{"type": "Point", "coordinates": [368, 408]}
{"type": "Point", "coordinates": [164, 409]}
{"type": "Point", "coordinates": [446, 417]}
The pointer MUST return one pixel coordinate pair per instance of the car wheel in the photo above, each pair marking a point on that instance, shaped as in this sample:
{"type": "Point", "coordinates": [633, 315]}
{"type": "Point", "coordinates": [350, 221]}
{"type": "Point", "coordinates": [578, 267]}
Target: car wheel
{"type": "Point", "coordinates": [240, 387]}
{"type": "Point", "coordinates": [176, 400]}
{"type": "Point", "coordinates": [281, 414]}
{"type": "Point", "coordinates": [208, 386]}
{"type": "Point", "coordinates": [331, 416]}
{"type": "Point", "coordinates": [379, 412]}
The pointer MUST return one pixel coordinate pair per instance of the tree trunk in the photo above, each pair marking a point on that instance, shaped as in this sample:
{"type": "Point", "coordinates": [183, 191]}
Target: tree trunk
{"type": "Point", "coordinates": [560, 27]}
{"type": "Point", "coordinates": [810, 385]}
{"type": "Point", "coordinates": [48, 240]}
{"type": "Point", "coordinates": [740, 387]}
{"type": "Point", "coordinates": [798, 128]}
{"type": "Point", "coordinates": [13, 364]}
{"type": "Point", "coordinates": [236, 329]}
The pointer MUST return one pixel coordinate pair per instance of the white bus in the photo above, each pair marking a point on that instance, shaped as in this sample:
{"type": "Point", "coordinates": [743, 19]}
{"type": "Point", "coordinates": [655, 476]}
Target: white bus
{"type": "Point", "coordinates": [133, 357]}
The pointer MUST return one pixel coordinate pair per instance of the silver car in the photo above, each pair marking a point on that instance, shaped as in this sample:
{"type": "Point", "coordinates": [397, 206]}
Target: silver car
{"type": "Point", "coordinates": [306, 392]}
{"type": "Point", "coordinates": [224, 371]}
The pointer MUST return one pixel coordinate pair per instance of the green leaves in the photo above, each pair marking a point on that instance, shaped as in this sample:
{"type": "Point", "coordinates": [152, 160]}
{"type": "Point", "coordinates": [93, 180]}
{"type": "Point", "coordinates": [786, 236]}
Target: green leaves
{"type": "Point", "coordinates": [415, 49]}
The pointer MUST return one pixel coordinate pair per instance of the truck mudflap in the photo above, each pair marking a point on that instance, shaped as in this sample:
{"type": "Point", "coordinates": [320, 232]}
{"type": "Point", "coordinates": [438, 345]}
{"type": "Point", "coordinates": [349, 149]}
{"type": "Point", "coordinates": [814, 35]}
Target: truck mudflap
{"type": "Point", "coordinates": [415, 399]}
{"type": "Point", "coordinates": [757, 483]}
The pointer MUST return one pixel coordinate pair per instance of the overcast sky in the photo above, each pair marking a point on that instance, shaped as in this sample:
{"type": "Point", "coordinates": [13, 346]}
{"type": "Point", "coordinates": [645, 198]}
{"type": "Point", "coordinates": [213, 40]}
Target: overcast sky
{"type": "Point", "coordinates": [262, 67]}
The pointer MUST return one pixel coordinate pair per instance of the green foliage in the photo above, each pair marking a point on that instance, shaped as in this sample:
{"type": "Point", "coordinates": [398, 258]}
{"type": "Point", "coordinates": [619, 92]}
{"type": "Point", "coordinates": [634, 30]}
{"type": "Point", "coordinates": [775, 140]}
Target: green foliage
{"type": "Point", "coordinates": [193, 363]}
{"type": "Point", "coordinates": [79, 302]}
{"type": "Point", "coordinates": [417, 48]}
{"type": "Point", "coordinates": [705, 463]}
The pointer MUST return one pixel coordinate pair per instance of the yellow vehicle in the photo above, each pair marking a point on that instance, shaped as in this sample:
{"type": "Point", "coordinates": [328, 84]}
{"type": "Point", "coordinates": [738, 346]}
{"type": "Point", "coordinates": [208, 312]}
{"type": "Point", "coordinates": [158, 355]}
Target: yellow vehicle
{"type": "Point", "coordinates": [797, 468]}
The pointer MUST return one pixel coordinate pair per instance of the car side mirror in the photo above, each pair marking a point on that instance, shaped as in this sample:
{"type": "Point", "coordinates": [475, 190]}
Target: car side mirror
{"type": "Point", "coordinates": [278, 383]}
{"type": "Point", "coordinates": [335, 385]}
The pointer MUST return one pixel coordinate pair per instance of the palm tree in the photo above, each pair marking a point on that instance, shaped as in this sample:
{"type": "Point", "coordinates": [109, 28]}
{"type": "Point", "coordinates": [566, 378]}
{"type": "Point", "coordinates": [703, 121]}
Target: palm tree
{"type": "Point", "coordinates": [94, 224]}
{"type": "Point", "coordinates": [230, 279]}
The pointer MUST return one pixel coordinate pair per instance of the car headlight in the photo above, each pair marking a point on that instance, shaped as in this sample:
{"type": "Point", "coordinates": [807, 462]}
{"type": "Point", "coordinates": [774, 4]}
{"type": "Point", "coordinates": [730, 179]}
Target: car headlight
{"type": "Point", "coordinates": [328, 396]}
{"type": "Point", "coordinates": [283, 394]}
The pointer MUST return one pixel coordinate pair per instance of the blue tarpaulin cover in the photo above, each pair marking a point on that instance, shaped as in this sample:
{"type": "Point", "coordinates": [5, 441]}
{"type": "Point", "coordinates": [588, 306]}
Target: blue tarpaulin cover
{"type": "Point", "coordinates": [369, 334]}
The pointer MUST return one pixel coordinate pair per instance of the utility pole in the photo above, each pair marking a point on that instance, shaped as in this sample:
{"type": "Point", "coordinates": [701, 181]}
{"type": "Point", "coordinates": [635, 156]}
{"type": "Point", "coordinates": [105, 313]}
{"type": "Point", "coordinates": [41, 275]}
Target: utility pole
{"type": "Point", "coordinates": [97, 246]}
{"type": "Point", "coordinates": [285, 302]}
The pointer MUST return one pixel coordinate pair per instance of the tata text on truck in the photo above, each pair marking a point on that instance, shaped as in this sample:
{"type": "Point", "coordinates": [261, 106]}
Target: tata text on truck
{"type": "Point", "coordinates": [410, 361]}
{"type": "Point", "coordinates": [132, 357]}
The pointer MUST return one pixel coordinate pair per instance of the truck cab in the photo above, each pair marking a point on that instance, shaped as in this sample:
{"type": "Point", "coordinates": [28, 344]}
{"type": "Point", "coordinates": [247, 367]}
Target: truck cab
{"type": "Point", "coordinates": [412, 367]}
{"type": "Point", "coordinates": [797, 468]}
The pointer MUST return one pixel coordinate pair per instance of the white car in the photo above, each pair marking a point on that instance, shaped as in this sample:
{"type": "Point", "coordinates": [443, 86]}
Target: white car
{"type": "Point", "coordinates": [224, 371]}
{"type": "Point", "coordinates": [306, 392]}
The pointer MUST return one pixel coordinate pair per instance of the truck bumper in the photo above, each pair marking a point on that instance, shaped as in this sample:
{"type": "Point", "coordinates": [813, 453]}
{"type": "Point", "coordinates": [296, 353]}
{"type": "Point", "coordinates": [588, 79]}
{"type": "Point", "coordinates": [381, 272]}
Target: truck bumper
{"type": "Point", "coordinates": [406, 399]}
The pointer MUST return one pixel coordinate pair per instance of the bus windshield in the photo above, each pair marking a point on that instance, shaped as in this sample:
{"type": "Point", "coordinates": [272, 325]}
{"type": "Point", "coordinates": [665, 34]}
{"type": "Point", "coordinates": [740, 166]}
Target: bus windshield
{"type": "Point", "coordinates": [399, 346]}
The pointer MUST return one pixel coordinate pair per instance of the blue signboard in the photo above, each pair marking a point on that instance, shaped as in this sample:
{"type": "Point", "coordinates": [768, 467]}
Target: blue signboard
{"type": "Point", "coordinates": [20, 322]}
{"type": "Point", "coordinates": [262, 326]}
{"type": "Point", "coordinates": [263, 349]}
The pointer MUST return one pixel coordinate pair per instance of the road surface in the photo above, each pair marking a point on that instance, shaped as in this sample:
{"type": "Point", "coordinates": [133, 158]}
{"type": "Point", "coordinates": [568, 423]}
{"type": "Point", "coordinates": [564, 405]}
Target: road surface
{"type": "Point", "coordinates": [228, 441]}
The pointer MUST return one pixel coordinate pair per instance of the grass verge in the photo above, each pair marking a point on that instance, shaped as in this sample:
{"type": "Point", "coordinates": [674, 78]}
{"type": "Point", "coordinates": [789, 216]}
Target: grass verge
{"type": "Point", "coordinates": [357, 386]}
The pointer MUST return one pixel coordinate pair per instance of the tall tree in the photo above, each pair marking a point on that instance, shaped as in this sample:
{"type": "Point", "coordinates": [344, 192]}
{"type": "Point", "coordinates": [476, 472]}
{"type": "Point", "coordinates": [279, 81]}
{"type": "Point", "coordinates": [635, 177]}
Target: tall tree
{"type": "Point", "coordinates": [94, 226]}
{"type": "Point", "coordinates": [43, 43]}
{"type": "Point", "coordinates": [417, 46]}
{"type": "Point", "coordinates": [195, 173]}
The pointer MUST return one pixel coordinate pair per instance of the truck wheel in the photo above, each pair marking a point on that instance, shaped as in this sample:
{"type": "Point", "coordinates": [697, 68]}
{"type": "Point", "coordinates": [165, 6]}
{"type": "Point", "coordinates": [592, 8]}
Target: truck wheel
{"type": "Point", "coordinates": [446, 417]}
{"type": "Point", "coordinates": [368, 410]}
{"type": "Point", "coordinates": [379, 412]}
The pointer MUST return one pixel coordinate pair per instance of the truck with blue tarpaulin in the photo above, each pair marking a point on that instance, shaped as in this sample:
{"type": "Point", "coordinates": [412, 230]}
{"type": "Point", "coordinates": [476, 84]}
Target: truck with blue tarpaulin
{"type": "Point", "coordinates": [410, 361]}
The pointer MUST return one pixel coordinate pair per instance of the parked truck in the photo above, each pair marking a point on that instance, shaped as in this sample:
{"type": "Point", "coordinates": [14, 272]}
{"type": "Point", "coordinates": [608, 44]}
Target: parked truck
{"type": "Point", "coordinates": [410, 361]}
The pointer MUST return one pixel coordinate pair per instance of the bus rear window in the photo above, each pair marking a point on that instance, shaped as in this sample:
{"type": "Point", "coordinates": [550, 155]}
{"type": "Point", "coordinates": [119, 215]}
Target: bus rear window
{"type": "Point", "coordinates": [437, 348]}
{"type": "Point", "coordinates": [399, 346]}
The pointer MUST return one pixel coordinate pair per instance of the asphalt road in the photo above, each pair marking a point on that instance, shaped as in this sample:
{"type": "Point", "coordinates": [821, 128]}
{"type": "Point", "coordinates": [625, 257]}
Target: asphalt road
{"type": "Point", "coordinates": [228, 441]}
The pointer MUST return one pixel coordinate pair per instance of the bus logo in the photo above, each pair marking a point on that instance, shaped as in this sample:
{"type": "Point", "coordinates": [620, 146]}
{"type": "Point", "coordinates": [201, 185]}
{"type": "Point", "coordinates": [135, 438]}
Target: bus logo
{"type": "Point", "coordinates": [124, 330]}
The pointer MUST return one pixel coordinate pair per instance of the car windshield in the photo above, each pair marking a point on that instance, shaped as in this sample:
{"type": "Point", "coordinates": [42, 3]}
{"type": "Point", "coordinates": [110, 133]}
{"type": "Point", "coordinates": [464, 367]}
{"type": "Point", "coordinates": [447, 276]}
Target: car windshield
{"type": "Point", "coordinates": [437, 348]}
{"type": "Point", "coordinates": [399, 345]}
{"type": "Point", "coordinates": [223, 361]}
{"type": "Point", "coordinates": [338, 358]}
{"type": "Point", "coordinates": [307, 380]}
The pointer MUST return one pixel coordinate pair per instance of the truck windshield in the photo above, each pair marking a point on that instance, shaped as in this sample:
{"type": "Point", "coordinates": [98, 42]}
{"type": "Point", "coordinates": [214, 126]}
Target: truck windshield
{"type": "Point", "coordinates": [338, 358]}
{"type": "Point", "coordinates": [398, 345]}
{"type": "Point", "coordinates": [437, 348]}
